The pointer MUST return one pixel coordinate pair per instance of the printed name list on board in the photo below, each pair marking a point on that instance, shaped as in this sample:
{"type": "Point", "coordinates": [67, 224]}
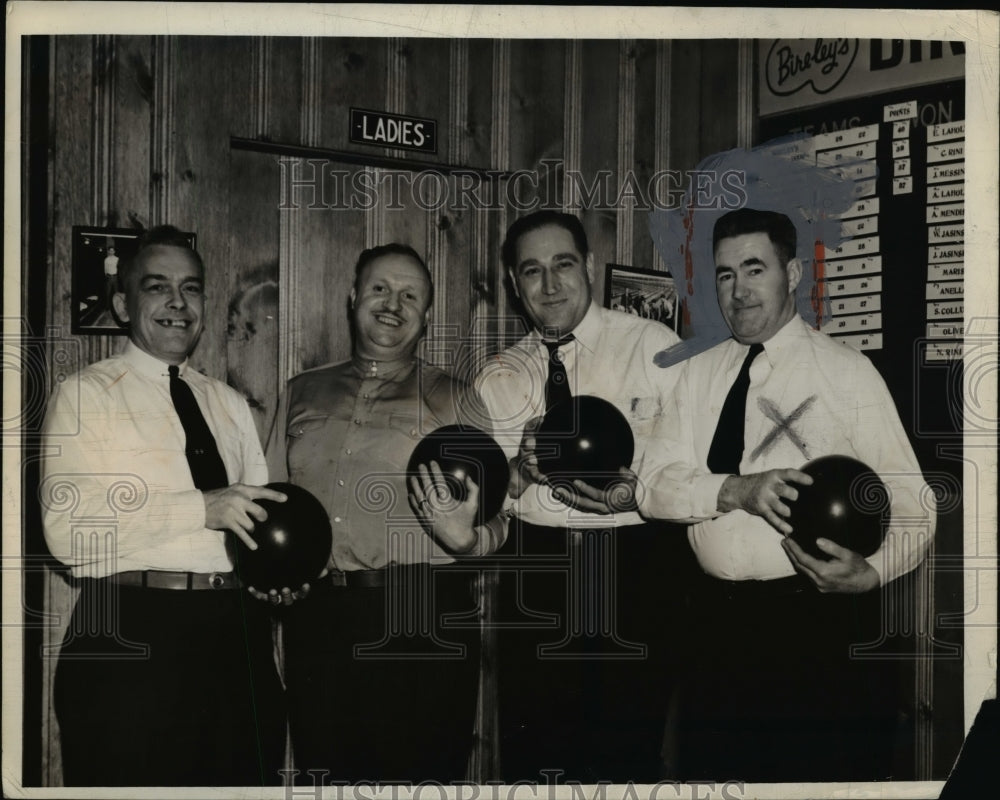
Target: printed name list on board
{"type": "Point", "coordinates": [945, 242]}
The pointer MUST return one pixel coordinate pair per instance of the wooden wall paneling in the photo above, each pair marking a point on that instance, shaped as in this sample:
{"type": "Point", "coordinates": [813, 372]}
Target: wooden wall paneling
{"type": "Point", "coordinates": [489, 88]}
{"type": "Point", "coordinates": [573, 200]}
{"type": "Point", "coordinates": [433, 78]}
{"type": "Point", "coordinates": [501, 157]}
{"type": "Point", "coordinates": [477, 128]}
{"type": "Point", "coordinates": [318, 250]}
{"type": "Point", "coordinates": [162, 129]}
{"type": "Point", "coordinates": [401, 219]}
{"type": "Point", "coordinates": [662, 127]}
{"type": "Point", "coordinates": [133, 106]}
{"type": "Point", "coordinates": [72, 135]}
{"type": "Point", "coordinates": [212, 86]}
{"type": "Point", "coordinates": [310, 111]}
{"type": "Point", "coordinates": [102, 156]}
{"type": "Point", "coordinates": [255, 191]}
{"type": "Point", "coordinates": [625, 172]}
{"type": "Point", "coordinates": [602, 109]}
{"type": "Point", "coordinates": [644, 149]}
{"type": "Point", "coordinates": [685, 145]}
{"type": "Point", "coordinates": [477, 132]}
{"type": "Point", "coordinates": [535, 117]}
{"type": "Point", "coordinates": [719, 106]}
{"type": "Point", "coordinates": [746, 93]}
{"type": "Point", "coordinates": [280, 81]}
{"type": "Point", "coordinates": [252, 312]}
{"type": "Point", "coordinates": [352, 73]}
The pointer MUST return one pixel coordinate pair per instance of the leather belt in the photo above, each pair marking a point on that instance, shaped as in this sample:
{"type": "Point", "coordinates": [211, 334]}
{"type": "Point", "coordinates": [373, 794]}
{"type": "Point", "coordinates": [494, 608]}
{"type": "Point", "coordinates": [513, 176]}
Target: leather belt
{"type": "Point", "coordinates": [162, 579]}
{"type": "Point", "coordinates": [374, 578]}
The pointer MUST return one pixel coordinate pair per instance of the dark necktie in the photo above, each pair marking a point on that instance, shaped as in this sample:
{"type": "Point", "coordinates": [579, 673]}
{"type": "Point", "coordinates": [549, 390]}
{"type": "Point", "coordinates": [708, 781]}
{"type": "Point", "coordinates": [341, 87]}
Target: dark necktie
{"type": "Point", "coordinates": [207, 468]}
{"type": "Point", "coordinates": [726, 452]}
{"type": "Point", "coordinates": [557, 385]}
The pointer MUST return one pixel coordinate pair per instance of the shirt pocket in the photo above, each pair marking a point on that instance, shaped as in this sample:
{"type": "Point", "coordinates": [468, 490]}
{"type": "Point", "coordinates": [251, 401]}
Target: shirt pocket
{"type": "Point", "coordinates": [303, 427]}
{"type": "Point", "coordinates": [410, 425]}
{"type": "Point", "coordinates": [310, 444]}
{"type": "Point", "coordinates": [643, 408]}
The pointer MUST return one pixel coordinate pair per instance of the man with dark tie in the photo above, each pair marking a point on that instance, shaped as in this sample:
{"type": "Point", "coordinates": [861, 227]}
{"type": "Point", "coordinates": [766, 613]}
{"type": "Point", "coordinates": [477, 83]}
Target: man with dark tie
{"type": "Point", "coordinates": [166, 676]}
{"type": "Point", "coordinates": [381, 652]}
{"type": "Point", "coordinates": [775, 691]}
{"type": "Point", "coordinates": [586, 585]}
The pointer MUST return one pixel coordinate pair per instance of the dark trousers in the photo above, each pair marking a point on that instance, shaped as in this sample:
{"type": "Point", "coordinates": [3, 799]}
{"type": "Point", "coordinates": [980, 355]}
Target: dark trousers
{"type": "Point", "coordinates": [772, 692]}
{"type": "Point", "coordinates": [382, 680]}
{"type": "Point", "coordinates": [159, 687]}
{"type": "Point", "coordinates": [586, 661]}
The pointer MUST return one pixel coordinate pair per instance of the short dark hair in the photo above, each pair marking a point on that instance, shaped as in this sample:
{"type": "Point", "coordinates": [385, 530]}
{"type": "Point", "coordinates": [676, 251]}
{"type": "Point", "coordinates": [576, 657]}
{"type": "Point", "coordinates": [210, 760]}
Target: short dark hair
{"type": "Point", "coordinates": [532, 222]}
{"type": "Point", "coordinates": [392, 249]}
{"type": "Point", "coordinates": [778, 227]}
{"type": "Point", "coordinates": [164, 235]}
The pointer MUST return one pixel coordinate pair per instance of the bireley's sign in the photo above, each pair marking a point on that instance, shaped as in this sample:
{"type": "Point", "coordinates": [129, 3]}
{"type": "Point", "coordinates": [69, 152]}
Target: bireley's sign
{"type": "Point", "coordinates": [393, 130]}
{"type": "Point", "coordinates": [799, 73]}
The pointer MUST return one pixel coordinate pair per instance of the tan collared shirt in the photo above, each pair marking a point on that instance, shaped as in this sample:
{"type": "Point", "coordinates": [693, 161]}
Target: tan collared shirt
{"type": "Point", "coordinates": [345, 432]}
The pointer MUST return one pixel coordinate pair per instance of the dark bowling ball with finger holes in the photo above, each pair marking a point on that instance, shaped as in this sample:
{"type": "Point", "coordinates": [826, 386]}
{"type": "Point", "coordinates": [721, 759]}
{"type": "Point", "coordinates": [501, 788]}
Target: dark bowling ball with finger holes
{"type": "Point", "coordinates": [293, 543]}
{"type": "Point", "coordinates": [585, 438]}
{"type": "Point", "coordinates": [847, 503]}
{"type": "Point", "coordinates": [464, 450]}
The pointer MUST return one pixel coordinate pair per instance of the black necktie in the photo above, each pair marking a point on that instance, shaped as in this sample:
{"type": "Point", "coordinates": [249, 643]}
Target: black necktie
{"type": "Point", "coordinates": [726, 452]}
{"type": "Point", "coordinates": [207, 468]}
{"type": "Point", "coordinates": [557, 385]}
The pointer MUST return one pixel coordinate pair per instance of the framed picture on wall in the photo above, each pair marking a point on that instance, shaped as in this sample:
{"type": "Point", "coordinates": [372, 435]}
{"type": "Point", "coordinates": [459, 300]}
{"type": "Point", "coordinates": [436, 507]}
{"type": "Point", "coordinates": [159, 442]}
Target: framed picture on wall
{"type": "Point", "coordinates": [97, 252]}
{"type": "Point", "coordinates": [644, 292]}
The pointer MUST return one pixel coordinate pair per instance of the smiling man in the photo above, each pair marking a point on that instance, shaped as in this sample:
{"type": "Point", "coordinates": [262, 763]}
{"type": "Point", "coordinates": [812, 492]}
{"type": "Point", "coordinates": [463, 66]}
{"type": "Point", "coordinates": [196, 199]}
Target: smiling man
{"type": "Point", "coordinates": [587, 592]}
{"type": "Point", "coordinates": [166, 676]}
{"type": "Point", "coordinates": [774, 691]}
{"type": "Point", "coordinates": [379, 687]}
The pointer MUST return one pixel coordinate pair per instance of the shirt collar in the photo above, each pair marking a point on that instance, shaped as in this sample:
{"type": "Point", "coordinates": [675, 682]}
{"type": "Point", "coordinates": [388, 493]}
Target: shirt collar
{"type": "Point", "coordinates": [145, 364]}
{"type": "Point", "coordinates": [587, 331]}
{"type": "Point", "coordinates": [785, 339]}
{"type": "Point", "coordinates": [371, 369]}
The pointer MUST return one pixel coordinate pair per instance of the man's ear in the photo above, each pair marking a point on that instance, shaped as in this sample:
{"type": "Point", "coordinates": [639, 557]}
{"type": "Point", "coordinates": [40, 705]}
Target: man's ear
{"type": "Point", "coordinates": [589, 263]}
{"type": "Point", "coordinates": [794, 270]}
{"type": "Point", "coordinates": [120, 306]}
{"type": "Point", "coordinates": [513, 282]}
{"type": "Point", "coordinates": [353, 297]}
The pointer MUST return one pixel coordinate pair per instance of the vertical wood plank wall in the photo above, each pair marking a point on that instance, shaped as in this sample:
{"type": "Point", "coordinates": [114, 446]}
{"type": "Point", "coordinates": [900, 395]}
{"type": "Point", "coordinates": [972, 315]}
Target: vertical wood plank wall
{"type": "Point", "coordinates": [140, 136]}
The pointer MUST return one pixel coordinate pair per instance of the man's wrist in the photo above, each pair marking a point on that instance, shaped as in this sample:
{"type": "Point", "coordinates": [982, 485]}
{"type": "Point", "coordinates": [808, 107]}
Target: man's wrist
{"type": "Point", "coordinates": [728, 499]}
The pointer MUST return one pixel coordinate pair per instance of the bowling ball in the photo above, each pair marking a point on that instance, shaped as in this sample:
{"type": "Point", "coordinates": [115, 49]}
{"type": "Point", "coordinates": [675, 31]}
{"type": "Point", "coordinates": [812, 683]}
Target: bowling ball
{"type": "Point", "coordinates": [293, 543]}
{"type": "Point", "coordinates": [464, 450]}
{"type": "Point", "coordinates": [846, 503]}
{"type": "Point", "coordinates": [585, 438]}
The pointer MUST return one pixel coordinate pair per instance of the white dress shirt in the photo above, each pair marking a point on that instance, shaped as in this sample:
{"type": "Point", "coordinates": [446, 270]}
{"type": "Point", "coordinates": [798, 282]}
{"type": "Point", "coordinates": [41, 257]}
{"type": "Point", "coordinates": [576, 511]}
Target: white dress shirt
{"type": "Point", "coordinates": [809, 396]}
{"type": "Point", "coordinates": [611, 357]}
{"type": "Point", "coordinates": [116, 491]}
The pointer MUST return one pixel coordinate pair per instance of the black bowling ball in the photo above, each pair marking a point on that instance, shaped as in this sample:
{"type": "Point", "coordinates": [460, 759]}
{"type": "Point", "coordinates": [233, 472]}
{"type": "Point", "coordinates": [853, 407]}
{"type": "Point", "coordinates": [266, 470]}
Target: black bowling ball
{"type": "Point", "coordinates": [465, 451]}
{"type": "Point", "coordinates": [847, 503]}
{"type": "Point", "coordinates": [585, 438]}
{"type": "Point", "coordinates": [293, 543]}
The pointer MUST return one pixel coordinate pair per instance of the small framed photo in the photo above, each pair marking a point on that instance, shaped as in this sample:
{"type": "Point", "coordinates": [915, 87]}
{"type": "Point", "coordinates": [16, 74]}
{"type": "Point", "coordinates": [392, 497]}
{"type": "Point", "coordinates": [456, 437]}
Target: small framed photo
{"type": "Point", "coordinates": [97, 253]}
{"type": "Point", "coordinates": [646, 293]}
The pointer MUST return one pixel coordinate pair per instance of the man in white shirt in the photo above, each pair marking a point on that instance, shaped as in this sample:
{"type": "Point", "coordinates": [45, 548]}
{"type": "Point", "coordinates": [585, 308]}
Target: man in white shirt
{"type": "Point", "coordinates": [166, 675]}
{"type": "Point", "coordinates": [586, 594]}
{"type": "Point", "coordinates": [775, 692]}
